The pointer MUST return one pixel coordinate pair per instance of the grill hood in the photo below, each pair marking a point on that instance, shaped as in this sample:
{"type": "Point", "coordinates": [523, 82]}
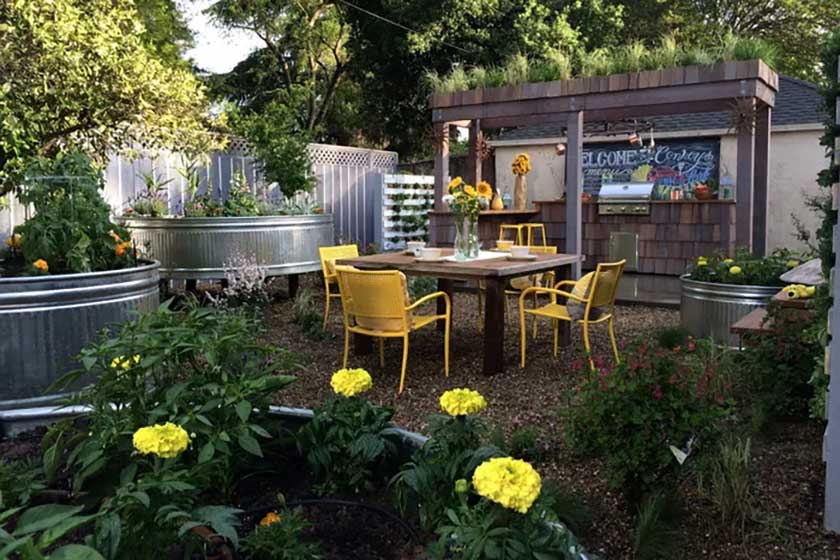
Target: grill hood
{"type": "Point", "coordinates": [618, 192]}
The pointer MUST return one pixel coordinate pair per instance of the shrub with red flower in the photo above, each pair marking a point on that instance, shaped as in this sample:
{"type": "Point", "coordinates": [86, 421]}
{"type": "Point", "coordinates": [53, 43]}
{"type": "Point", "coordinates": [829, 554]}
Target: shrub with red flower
{"type": "Point", "coordinates": [631, 415]}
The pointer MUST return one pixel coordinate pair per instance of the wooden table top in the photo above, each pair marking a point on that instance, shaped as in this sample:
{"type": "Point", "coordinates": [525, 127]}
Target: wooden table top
{"type": "Point", "coordinates": [500, 267]}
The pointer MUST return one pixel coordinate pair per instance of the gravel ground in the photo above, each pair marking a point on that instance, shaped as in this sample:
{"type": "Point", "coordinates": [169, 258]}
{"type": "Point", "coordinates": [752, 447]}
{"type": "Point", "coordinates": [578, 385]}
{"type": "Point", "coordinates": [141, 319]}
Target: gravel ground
{"type": "Point", "coordinates": [788, 481]}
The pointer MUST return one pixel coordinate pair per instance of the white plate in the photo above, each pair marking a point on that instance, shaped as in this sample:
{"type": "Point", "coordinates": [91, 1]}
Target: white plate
{"type": "Point", "coordinates": [525, 258]}
{"type": "Point", "coordinates": [437, 260]}
{"type": "Point", "coordinates": [497, 250]}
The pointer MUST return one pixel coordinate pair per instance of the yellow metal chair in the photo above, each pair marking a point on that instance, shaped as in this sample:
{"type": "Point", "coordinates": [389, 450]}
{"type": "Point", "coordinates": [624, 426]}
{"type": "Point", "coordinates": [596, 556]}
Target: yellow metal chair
{"type": "Point", "coordinates": [595, 292]}
{"type": "Point", "coordinates": [523, 234]}
{"type": "Point", "coordinates": [376, 303]}
{"type": "Point", "coordinates": [328, 257]}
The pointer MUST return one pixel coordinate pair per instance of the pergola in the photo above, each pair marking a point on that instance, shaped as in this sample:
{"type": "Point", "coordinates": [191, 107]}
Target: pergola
{"type": "Point", "coordinates": [745, 88]}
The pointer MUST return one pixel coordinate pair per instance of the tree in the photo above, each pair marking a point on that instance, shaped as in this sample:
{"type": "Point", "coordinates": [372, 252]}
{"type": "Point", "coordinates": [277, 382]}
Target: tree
{"type": "Point", "coordinates": [166, 32]}
{"type": "Point", "coordinates": [77, 74]}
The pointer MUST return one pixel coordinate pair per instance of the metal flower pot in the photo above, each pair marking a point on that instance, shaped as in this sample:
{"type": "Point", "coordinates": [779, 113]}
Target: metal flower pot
{"type": "Point", "coordinates": [46, 320]}
{"type": "Point", "coordinates": [708, 310]}
{"type": "Point", "coordinates": [201, 248]}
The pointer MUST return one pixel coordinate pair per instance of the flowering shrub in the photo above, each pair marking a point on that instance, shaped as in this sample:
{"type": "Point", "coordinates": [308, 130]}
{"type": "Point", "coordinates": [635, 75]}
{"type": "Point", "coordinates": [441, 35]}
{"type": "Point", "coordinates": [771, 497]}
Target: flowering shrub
{"type": "Point", "coordinates": [511, 483]}
{"type": "Point", "coordinates": [745, 268]}
{"type": "Point", "coordinates": [462, 402]}
{"type": "Point", "coordinates": [246, 285]}
{"type": "Point", "coordinates": [656, 402]}
{"type": "Point", "coordinates": [346, 442]}
{"type": "Point", "coordinates": [280, 536]}
{"type": "Point", "coordinates": [71, 229]}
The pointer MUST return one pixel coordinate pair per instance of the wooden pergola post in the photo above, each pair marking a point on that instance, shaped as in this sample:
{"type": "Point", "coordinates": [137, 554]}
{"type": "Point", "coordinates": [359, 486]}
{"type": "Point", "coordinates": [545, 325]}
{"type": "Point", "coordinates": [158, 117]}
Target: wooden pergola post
{"type": "Point", "coordinates": [762, 172]}
{"type": "Point", "coordinates": [441, 134]}
{"type": "Point", "coordinates": [744, 187]}
{"type": "Point", "coordinates": [574, 187]}
{"type": "Point", "coordinates": [473, 161]}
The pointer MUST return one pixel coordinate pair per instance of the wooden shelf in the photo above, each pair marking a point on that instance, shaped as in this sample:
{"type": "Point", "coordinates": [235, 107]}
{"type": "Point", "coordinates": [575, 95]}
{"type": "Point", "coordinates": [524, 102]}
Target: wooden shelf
{"type": "Point", "coordinates": [492, 212]}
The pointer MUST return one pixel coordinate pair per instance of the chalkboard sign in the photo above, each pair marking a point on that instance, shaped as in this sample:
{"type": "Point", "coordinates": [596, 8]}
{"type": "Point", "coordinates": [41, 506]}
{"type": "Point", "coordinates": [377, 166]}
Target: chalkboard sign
{"type": "Point", "coordinates": [669, 164]}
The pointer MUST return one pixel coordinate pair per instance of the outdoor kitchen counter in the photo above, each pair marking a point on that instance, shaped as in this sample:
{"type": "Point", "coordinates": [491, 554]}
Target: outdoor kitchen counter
{"type": "Point", "coordinates": [674, 234]}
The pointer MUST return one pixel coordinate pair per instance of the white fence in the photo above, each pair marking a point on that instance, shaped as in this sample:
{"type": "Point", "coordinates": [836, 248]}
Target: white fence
{"type": "Point", "coordinates": [406, 202]}
{"type": "Point", "coordinates": [349, 182]}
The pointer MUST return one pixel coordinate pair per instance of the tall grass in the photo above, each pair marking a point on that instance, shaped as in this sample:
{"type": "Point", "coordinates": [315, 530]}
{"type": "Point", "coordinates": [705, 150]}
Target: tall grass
{"type": "Point", "coordinates": [725, 480]}
{"type": "Point", "coordinates": [653, 535]}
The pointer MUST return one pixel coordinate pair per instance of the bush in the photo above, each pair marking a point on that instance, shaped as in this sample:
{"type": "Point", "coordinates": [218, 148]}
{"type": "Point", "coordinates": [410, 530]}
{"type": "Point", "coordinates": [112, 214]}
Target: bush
{"type": "Point", "coordinates": [745, 268]}
{"type": "Point", "coordinates": [655, 405]}
{"type": "Point", "coordinates": [71, 229]}
{"type": "Point", "coordinates": [280, 537]}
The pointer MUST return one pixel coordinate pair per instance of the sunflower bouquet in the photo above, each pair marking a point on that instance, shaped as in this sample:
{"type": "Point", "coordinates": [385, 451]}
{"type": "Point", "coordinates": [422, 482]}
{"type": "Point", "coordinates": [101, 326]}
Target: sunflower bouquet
{"type": "Point", "coordinates": [521, 164]}
{"type": "Point", "coordinates": [467, 201]}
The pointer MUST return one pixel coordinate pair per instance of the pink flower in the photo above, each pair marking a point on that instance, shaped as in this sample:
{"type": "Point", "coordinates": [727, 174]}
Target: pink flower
{"type": "Point", "coordinates": [657, 392]}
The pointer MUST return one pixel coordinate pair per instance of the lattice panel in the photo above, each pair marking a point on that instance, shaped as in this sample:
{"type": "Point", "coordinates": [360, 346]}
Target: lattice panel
{"type": "Point", "coordinates": [323, 154]}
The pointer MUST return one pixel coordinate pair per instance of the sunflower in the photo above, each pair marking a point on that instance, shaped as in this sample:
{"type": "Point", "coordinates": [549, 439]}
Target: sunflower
{"type": "Point", "coordinates": [484, 189]}
{"type": "Point", "coordinates": [469, 190]}
{"type": "Point", "coordinates": [454, 184]}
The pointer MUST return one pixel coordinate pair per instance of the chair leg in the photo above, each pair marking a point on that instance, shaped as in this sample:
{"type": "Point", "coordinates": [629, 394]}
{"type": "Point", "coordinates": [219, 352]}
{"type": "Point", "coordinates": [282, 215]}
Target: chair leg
{"type": "Point", "coordinates": [382, 351]}
{"type": "Point", "coordinates": [556, 334]}
{"type": "Point", "coordinates": [534, 318]}
{"type": "Point", "coordinates": [611, 327]}
{"type": "Point", "coordinates": [327, 308]}
{"type": "Point", "coordinates": [404, 362]}
{"type": "Point", "coordinates": [446, 348]}
{"type": "Point", "coordinates": [522, 333]}
{"type": "Point", "coordinates": [586, 345]}
{"type": "Point", "coordinates": [346, 346]}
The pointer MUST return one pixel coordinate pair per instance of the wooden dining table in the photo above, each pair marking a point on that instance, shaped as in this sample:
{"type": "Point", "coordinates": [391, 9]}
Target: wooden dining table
{"type": "Point", "coordinates": [495, 273]}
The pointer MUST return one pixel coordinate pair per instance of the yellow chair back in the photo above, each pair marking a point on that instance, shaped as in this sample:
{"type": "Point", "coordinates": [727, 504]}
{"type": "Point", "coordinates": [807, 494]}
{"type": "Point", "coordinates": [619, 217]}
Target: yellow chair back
{"type": "Point", "coordinates": [546, 250]}
{"type": "Point", "coordinates": [331, 254]}
{"type": "Point", "coordinates": [375, 300]}
{"type": "Point", "coordinates": [605, 284]}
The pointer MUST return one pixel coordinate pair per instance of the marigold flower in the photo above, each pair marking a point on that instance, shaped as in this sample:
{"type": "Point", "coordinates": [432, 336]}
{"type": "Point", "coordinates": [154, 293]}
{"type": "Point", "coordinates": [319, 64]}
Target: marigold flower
{"type": "Point", "coordinates": [484, 189]}
{"type": "Point", "coordinates": [41, 265]}
{"type": "Point", "coordinates": [512, 483]}
{"type": "Point", "coordinates": [13, 241]}
{"type": "Point", "coordinates": [163, 440]}
{"type": "Point", "coordinates": [121, 248]}
{"type": "Point", "coordinates": [728, 262]}
{"type": "Point", "coordinates": [351, 382]}
{"type": "Point", "coordinates": [270, 519]}
{"type": "Point", "coordinates": [461, 402]}
{"type": "Point", "coordinates": [735, 270]}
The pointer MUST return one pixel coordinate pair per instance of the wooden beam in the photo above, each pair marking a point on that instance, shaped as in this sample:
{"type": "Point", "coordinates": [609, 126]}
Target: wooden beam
{"type": "Point", "coordinates": [441, 134]}
{"type": "Point", "coordinates": [473, 161]}
{"type": "Point", "coordinates": [762, 172]}
{"type": "Point", "coordinates": [574, 187]}
{"type": "Point", "coordinates": [744, 190]}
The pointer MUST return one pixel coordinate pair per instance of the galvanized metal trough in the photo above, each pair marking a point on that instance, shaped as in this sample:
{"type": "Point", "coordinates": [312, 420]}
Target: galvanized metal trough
{"type": "Point", "coordinates": [708, 309]}
{"type": "Point", "coordinates": [201, 248]}
{"type": "Point", "coordinates": [46, 320]}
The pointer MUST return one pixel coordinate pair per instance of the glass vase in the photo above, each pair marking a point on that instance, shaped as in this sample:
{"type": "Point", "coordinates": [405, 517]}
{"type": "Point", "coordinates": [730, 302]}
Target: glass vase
{"type": "Point", "coordinates": [466, 240]}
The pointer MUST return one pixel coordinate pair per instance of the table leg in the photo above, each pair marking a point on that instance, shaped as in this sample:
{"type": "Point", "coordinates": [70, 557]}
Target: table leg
{"type": "Point", "coordinates": [494, 326]}
{"type": "Point", "coordinates": [444, 285]}
{"type": "Point", "coordinates": [565, 331]}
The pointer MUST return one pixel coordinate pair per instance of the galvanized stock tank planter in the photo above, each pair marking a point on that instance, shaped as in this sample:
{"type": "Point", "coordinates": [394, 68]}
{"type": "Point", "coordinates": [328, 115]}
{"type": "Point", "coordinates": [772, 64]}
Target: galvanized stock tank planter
{"type": "Point", "coordinates": [46, 320]}
{"type": "Point", "coordinates": [200, 248]}
{"type": "Point", "coordinates": [708, 309]}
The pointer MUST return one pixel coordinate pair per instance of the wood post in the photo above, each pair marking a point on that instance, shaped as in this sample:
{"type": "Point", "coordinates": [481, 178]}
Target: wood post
{"type": "Point", "coordinates": [574, 187]}
{"type": "Point", "coordinates": [744, 193]}
{"type": "Point", "coordinates": [441, 134]}
{"type": "Point", "coordinates": [473, 161]}
{"type": "Point", "coordinates": [762, 172]}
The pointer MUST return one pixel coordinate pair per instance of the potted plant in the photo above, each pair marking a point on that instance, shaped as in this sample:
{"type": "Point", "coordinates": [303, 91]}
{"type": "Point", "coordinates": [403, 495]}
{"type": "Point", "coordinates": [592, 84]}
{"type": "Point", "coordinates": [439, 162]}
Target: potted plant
{"type": "Point", "coordinates": [69, 272]}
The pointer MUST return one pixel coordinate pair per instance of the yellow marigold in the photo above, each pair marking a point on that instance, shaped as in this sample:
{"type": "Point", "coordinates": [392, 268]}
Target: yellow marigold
{"type": "Point", "coordinates": [351, 382]}
{"type": "Point", "coordinates": [454, 184]}
{"type": "Point", "coordinates": [41, 265]}
{"type": "Point", "coordinates": [484, 189]}
{"type": "Point", "coordinates": [728, 262]}
{"type": "Point", "coordinates": [122, 362]}
{"type": "Point", "coordinates": [163, 440]}
{"type": "Point", "coordinates": [121, 248]}
{"type": "Point", "coordinates": [702, 262]}
{"type": "Point", "coordinates": [461, 402]}
{"type": "Point", "coordinates": [270, 519]}
{"type": "Point", "coordinates": [114, 236]}
{"type": "Point", "coordinates": [469, 190]}
{"type": "Point", "coordinates": [13, 241]}
{"type": "Point", "coordinates": [735, 270]}
{"type": "Point", "coordinates": [792, 263]}
{"type": "Point", "coordinates": [509, 482]}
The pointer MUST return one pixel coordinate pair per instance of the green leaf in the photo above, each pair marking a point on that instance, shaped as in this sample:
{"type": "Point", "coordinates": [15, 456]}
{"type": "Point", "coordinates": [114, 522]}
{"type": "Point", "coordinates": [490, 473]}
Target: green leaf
{"type": "Point", "coordinates": [76, 552]}
{"type": "Point", "coordinates": [259, 430]}
{"type": "Point", "coordinates": [249, 444]}
{"type": "Point", "coordinates": [42, 517]}
{"type": "Point", "coordinates": [243, 410]}
{"type": "Point", "coordinates": [221, 519]}
{"type": "Point", "coordinates": [63, 527]}
{"type": "Point", "coordinates": [206, 453]}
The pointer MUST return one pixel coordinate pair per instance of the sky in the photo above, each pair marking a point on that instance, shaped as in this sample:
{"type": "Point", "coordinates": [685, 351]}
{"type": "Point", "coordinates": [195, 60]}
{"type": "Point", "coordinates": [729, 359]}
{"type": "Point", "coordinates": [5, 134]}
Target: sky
{"type": "Point", "coordinates": [216, 50]}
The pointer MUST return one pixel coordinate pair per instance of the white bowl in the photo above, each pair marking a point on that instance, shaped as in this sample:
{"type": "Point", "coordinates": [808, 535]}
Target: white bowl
{"type": "Point", "coordinates": [519, 251]}
{"type": "Point", "coordinates": [415, 247]}
{"type": "Point", "coordinates": [430, 253]}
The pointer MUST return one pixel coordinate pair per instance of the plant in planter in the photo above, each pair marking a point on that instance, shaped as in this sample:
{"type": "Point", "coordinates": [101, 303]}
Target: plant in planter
{"type": "Point", "coordinates": [745, 268]}
{"type": "Point", "coordinates": [346, 441]}
{"type": "Point", "coordinates": [278, 537]}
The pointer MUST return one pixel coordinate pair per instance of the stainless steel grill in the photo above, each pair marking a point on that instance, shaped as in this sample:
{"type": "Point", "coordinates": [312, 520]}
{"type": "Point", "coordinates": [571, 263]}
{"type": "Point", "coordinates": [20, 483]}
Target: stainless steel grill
{"type": "Point", "coordinates": [625, 198]}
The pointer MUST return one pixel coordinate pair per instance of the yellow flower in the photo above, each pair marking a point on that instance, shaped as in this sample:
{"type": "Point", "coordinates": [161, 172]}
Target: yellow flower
{"type": "Point", "coordinates": [270, 519]}
{"type": "Point", "coordinates": [454, 184]}
{"type": "Point", "coordinates": [810, 290]}
{"type": "Point", "coordinates": [122, 362]}
{"type": "Point", "coordinates": [351, 382]}
{"type": "Point", "coordinates": [163, 440]}
{"type": "Point", "coordinates": [702, 261]}
{"type": "Point", "coordinates": [469, 190]}
{"type": "Point", "coordinates": [735, 270]}
{"type": "Point", "coordinates": [461, 402]}
{"type": "Point", "coordinates": [728, 262]}
{"type": "Point", "coordinates": [41, 265]}
{"type": "Point", "coordinates": [792, 263]}
{"type": "Point", "coordinates": [509, 482]}
{"type": "Point", "coordinates": [114, 236]}
{"type": "Point", "coordinates": [13, 241]}
{"type": "Point", "coordinates": [797, 291]}
{"type": "Point", "coordinates": [121, 248]}
{"type": "Point", "coordinates": [484, 189]}
{"type": "Point", "coordinates": [521, 164]}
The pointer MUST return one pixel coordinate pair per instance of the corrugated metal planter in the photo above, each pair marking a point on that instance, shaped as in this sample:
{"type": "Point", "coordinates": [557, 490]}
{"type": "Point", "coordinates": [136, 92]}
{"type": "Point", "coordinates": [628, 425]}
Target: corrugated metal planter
{"type": "Point", "coordinates": [46, 320]}
{"type": "Point", "coordinates": [708, 309]}
{"type": "Point", "coordinates": [200, 248]}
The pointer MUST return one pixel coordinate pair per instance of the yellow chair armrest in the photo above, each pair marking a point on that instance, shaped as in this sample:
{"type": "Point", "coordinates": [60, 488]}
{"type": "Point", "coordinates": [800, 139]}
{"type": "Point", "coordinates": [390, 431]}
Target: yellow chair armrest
{"type": "Point", "coordinates": [551, 291]}
{"type": "Point", "coordinates": [428, 298]}
{"type": "Point", "coordinates": [565, 283]}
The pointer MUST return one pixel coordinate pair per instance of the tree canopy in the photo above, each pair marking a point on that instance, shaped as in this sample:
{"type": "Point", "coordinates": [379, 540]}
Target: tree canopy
{"type": "Point", "coordinates": [84, 74]}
